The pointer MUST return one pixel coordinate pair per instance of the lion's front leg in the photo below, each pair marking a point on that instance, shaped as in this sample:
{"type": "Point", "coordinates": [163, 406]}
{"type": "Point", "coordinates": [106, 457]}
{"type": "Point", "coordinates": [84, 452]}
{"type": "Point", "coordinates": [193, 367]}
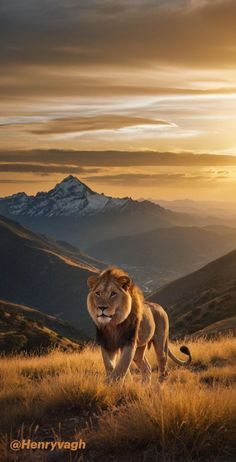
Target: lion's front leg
{"type": "Point", "coordinates": [109, 358]}
{"type": "Point", "coordinates": [122, 367]}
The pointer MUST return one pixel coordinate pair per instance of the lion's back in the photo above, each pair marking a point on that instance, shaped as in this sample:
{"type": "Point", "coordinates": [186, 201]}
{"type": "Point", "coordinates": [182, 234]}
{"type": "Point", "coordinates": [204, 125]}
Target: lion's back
{"type": "Point", "coordinates": [159, 314]}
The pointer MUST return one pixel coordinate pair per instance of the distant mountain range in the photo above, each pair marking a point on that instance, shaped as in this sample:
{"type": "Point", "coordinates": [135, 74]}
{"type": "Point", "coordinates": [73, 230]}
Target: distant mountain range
{"type": "Point", "coordinates": [37, 272]}
{"type": "Point", "coordinates": [71, 211]}
{"type": "Point", "coordinates": [224, 211]}
{"type": "Point", "coordinates": [203, 302]}
{"type": "Point", "coordinates": [161, 255]}
{"type": "Point", "coordinates": [26, 329]}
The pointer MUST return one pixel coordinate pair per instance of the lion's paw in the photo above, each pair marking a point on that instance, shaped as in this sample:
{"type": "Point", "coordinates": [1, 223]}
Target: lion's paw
{"type": "Point", "coordinates": [163, 377]}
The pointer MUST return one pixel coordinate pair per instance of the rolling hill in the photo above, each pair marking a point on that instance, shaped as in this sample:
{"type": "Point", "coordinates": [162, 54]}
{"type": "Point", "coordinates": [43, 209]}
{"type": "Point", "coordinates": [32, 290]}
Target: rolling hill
{"type": "Point", "coordinates": [159, 256]}
{"type": "Point", "coordinates": [26, 329]}
{"type": "Point", "coordinates": [202, 301]}
{"type": "Point", "coordinates": [226, 326]}
{"type": "Point", "coordinates": [38, 272]}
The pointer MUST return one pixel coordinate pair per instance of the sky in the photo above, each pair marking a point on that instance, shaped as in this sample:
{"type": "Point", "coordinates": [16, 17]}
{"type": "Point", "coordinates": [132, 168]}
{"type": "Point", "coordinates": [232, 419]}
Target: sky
{"type": "Point", "coordinates": [135, 97]}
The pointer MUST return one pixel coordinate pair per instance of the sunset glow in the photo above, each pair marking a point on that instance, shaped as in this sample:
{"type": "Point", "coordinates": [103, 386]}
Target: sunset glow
{"type": "Point", "coordinates": [119, 76]}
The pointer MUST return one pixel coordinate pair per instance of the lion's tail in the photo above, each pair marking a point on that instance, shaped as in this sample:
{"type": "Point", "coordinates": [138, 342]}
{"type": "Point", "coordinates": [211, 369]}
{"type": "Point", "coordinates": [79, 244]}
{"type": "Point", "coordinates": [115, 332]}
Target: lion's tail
{"type": "Point", "coordinates": [184, 350]}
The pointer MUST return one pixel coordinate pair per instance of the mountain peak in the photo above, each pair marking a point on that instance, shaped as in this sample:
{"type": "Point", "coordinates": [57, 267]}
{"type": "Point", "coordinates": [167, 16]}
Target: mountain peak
{"type": "Point", "coordinates": [71, 178]}
{"type": "Point", "coordinates": [72, 185]}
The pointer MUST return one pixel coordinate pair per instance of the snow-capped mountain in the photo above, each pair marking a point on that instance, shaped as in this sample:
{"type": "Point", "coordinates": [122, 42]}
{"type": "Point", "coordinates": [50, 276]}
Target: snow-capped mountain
{"type": "Point", "coordinates": [72, 212]}
{"type": "Point", "coordinates": [71, 197]}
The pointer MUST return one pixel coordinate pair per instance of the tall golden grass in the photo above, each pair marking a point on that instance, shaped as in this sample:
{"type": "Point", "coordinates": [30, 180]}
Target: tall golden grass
{"type": "Point", "coordinates": [190, 418]}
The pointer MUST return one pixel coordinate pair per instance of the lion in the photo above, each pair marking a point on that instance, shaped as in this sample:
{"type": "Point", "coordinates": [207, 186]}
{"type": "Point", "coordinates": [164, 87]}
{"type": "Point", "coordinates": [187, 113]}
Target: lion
{"type": "Point", "coordinates": [126, 325]}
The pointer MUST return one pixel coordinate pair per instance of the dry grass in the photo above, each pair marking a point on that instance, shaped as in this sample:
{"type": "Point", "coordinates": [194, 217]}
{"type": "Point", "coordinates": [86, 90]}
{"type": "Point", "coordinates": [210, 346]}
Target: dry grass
{"type": "Point", "coordinates": [191, 418]}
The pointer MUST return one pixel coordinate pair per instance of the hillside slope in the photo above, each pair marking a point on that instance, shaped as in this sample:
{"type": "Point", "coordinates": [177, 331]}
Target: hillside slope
{"type": "Point", "coordinates": [25, 329]}
{"type": "Point", "coordinates": [159, 256]}
{"type": "Point", "coordinates": [226, 326]}
{"type": "Point", "coordinates": [201, 298]}
{"type": "Point", "coordinates": [37, 272]}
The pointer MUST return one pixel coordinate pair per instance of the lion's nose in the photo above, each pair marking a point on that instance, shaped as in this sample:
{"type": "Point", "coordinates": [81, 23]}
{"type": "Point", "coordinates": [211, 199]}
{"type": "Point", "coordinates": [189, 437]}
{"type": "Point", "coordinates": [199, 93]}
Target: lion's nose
{"type": "Point", "coordinates": [102, 308]}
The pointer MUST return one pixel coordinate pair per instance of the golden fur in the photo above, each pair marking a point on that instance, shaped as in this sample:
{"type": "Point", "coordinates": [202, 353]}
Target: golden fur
{"type": "Point", "coordinates": [126, 323]}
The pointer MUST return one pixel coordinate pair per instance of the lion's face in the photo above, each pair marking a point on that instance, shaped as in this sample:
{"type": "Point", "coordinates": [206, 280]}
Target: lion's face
{"type": "Point", "coordinates": [109, 300]}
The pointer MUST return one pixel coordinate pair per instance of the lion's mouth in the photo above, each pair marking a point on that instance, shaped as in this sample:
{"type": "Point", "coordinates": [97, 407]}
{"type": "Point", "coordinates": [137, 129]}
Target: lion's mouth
{"type": "Point", "coordinates": [104, 316]}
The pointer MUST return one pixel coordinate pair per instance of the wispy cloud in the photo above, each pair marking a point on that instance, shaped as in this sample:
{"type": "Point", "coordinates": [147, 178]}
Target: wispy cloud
{"type": "Point", "coordinates": [94, 123]}
{"type": "Point", "coordinates": [21, 167]}
{"type": "Point", "coordinates": [37, 159]}
{"type": "Point", "coordinates": [68, 32]}
{"type": "Point", "coordinates": [175, 180]}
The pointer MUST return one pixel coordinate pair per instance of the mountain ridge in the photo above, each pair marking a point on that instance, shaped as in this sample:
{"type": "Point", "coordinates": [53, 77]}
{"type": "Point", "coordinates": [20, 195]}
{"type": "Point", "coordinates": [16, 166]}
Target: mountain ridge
{"type": "Point", "coordinates": [70, 197]}
{"type": "Point", "coordinates": [23, 328]}
{"type": "Point", "coordinates": [37, 272]}
{"type": "Point", "coordinates": [201, 298]}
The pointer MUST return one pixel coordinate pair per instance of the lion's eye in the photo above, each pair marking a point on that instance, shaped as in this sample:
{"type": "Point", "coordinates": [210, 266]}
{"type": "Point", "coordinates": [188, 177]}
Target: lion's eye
{"type": "Point", "coordinates": [98, 294]}
{"type": "Point", "coordinates": [113, 294]}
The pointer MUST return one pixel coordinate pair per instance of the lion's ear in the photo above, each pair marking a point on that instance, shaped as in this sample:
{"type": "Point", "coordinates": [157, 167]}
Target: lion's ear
{"type": "Point", "coordinates": [92, 281]}
{"type": "Point", "coordinates": [125, 282]}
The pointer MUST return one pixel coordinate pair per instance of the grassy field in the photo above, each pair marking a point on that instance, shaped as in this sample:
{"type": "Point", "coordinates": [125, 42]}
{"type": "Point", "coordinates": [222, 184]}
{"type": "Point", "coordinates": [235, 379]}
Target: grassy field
{"type": "Point", "coordinates": [62, 396]}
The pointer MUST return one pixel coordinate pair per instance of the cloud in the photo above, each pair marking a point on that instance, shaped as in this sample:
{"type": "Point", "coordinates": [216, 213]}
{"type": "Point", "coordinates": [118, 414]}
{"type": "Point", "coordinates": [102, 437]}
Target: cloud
{"type": "Point", "coordinates": [82, 159]}
{"type": "Point", "coordinates": [47, 81]}
{"type": "Point", "coordinates": [115, 167]}
{"type": "Point", "coordinates": [22, 167]}
{"type": "Point", "coordinates": [177, 180]}
{"type": "Point", "coordinates": [115, 63]}
{"type": "Point", "coordinates": [127, 33]}
{"type": "Point", "coordinates": [18, 181]}
{"type": "Point", "coordinates": [84, 124]}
